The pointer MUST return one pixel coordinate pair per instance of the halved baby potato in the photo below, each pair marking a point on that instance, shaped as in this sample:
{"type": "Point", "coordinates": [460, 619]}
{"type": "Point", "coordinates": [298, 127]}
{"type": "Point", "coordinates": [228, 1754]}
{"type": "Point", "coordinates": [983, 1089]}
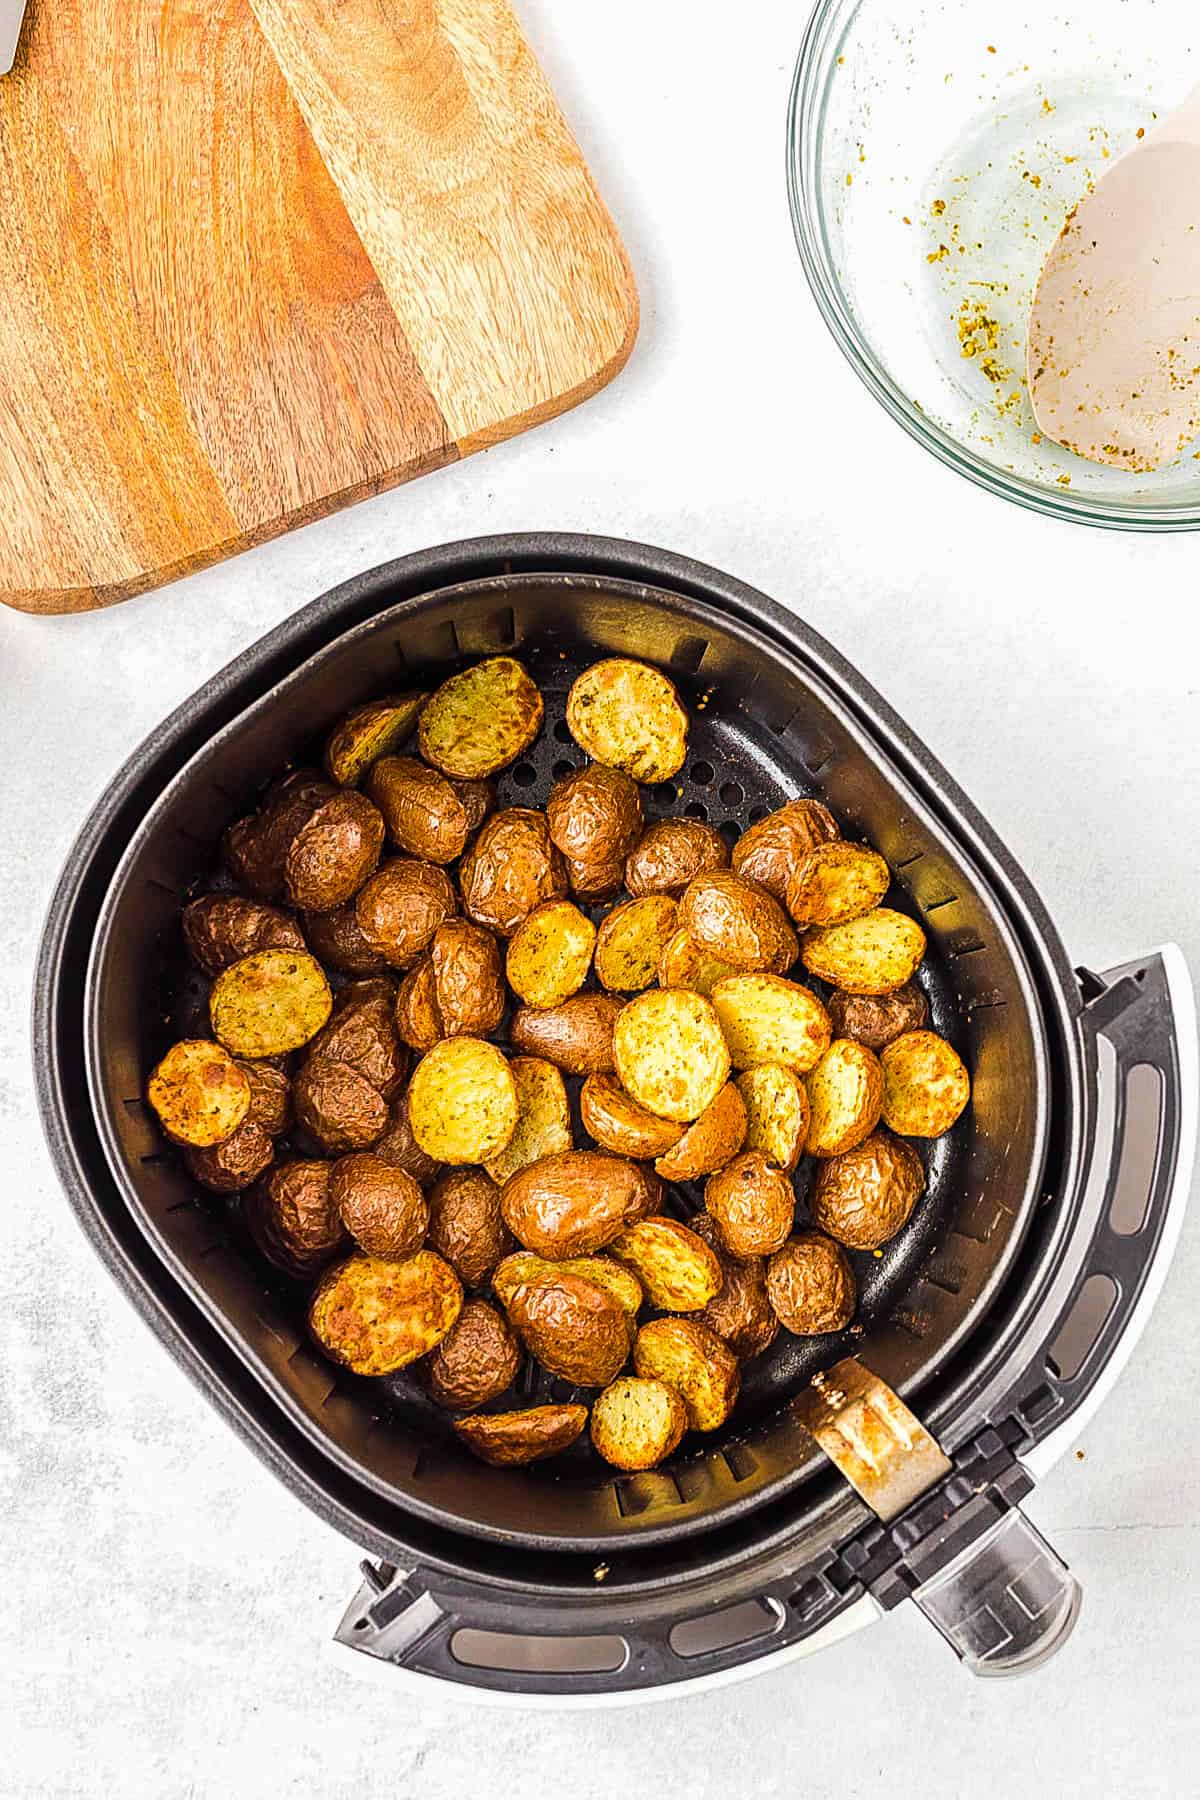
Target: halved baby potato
{"type": "Point", "coordinates": [629, 716]}
{"type": "Point", "coordinates": [200, 1094]}
{"type": "Point", "coordinates": [835, 882]}
{"type": "Point", "coordinates": [876, 954]}
{"type": "Point", "coordinates": [550, 953]}
{"type": "Point", "coordinates": [811, 1285]}
{"type": "Point", "coordinates": [694, 1361]}
{"type": "Point", "coordinates": [576, 1202]}
{"type": "Point", "coordinates": [374, 1316]}
{"type": "Point", "coordinates": [525, 1265]}
{"type": "Point", "coordinates": [741, 1315]}
{"type": "Point", "coordinates": [543, 1118]}
{"type": "Point", "coordinates": [709, 1142]}
{"type": "Point", "coordinates": [845, 1094]}
{"type": "Point", "coordinates": [776, 1102]}
{"type": "Point", "coordinates": [577, 1035]}
{"type": "Point", "coordinates": [637, 1422]}
{"type": "Point", "coordinates": [481, 720]}
{"type": "Point", "coordinates": [270, 1003]}
{"type": "Point", "coordinates": [752, 1204]}
{"type": "Point", "coordinates": [925, 1085]}
{"type": "Point", "coordinates": [737, 920]}
{"type": "Point", "coordinates": [462, 1101]}
{"type": "Point", "coordinates": [875, 1019]}
{"type": "Point", "coordinates": [631, 941]}
{"type": "Point", "coordinates": [575, 1327]}
{"type": "Point", "coordinates": [677, 1270]}
{"type": "Point", "coordinates": [508, 1439]}
{"type": "Point", "coordinates": [369, 732]}
{"type": "Point", "coordinates": [622, 1125]}
{"type": "Point", "coordinates": [685, 965]}
{"type": "Point", "coordinates": [769, 851]}
{"type": "Point", "coordinates": [669, 1052]}
{"type": "Point", "coordinates": [767, 1019]}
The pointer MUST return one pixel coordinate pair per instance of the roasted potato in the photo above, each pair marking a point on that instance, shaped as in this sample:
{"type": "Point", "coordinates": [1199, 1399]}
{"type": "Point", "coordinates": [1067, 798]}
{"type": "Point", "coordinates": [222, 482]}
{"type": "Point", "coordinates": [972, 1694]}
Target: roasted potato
{"type": "Point", "coordinates": [594, 815]}
{"type": "Point", "coordinates": [577, 1036]}
{"type": "Point", "coordinates": [361, 1031]}
{"type": "Point", "coordinates": [730, 917]}
{"type": "Point", "coordinates": [369, 732]}
{"type": "Point", "coordinates": [466, 1225]}
{"type": "Point", "coordinates": [479, 721]}
{"type": "Point", "coordinates": [543, 1118]}
{"type": "Point", "coordinates": [270, 1003]}
{"type": "Point", "coordinates": [671, 853]}
{"type": "Point", "coordinates": [235, 1163]}
{"type": "Point", "coordinates": [669, 1052]}
{"type": "Point", "coordinates": [422, 809]}
{"type": "Point", "coordinates": [293, 1220]}
{"type": "Point", "coordinates": [334, 851]}
{"type": "Point", "coordinates": [270, 1097]}
{"type": "Point", "coordinates": [925, 1086]}
{"type": "Point", "coordinates": [836, 882]}
{"type": "Point", "coordinates": [374, 1316]}
{"type": "Point", "coordinates": [462, 1101]}
{"type": "Point", "coordinates": [574, 1327]}
{"type": "Point", "coordinates": [637, 1422]}
{"type": "Point", "coordinates": [400, 908]}
{"type": "Point", "coordinates": [576, 1202]}
{"type": "Point", "coordinates": [507, 1439]}
{"type": "Point", "coordinates": [752, 1204]}
{"type": "Point", "coordinates": [336, 939]}
{"type": "Point", "coordinates": [631, 941]}
{"type": "Point", "coordinates": [684, 964]}
{"type": "Point", "coordinates": [399, 1147]}
{"type": "Point", "coordinates": [602, 1271]}
{"type": "Point", "coordinates": [594, 881]}
{"type": "Point", "coordinates": [767, 1019]}
{"type": "Point", "coordinates": [770, 851]}
{"type": "Point", "coordinates": [628, 716]}
{"type": "Point", "coordinates": [677, 1270]}
{"type": "Point", "coordinates": [477, 1359]}
{"type": "Point", "coordinates": [510, 868]}
{"type": "Point", "coordinates": [691, 1359]}
{"type": "Point", "coordinates": [740, 1314]}
{"type": "Point", "coordinates": [468, 980]}
{"type": "Point", "coordinates": [876, 1019]}
{"type": "Point", "coordinates": [256, 848]}
{"type": "Point", "coordinates": [619, 1124]}
{"type": "Point", "coordinates": [777, 1111]}
{"type": "Point", "coordinates": [845, 1097]}
{"type": "Point", "coordinates": [220, 929]}
{"type": "Point", "coordinates": [810, 1285]}
{"type": "Point", "coordinates": [381, 1206]}
{"type": "Point", "coordinates": [876, 954]}
{"type": "Point", "coordinates": [338, 1107]}
{"type": "Point", "coordinates": [550, 953]}
{"type": "Point", "coordinates": [201, 1095]}
{"type": "Point", "coordinates": [418, 1020]}
{"type": "Point", "coordinates": [863, 1197]}
{"type": "Point", "coordinates": [709, 1142]}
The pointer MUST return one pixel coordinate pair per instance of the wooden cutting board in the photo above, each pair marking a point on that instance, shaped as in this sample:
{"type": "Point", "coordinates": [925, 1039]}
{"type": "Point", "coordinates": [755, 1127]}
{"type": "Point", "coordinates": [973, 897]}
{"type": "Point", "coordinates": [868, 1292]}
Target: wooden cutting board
{"type": "Point", "coordinates": [261, 258]}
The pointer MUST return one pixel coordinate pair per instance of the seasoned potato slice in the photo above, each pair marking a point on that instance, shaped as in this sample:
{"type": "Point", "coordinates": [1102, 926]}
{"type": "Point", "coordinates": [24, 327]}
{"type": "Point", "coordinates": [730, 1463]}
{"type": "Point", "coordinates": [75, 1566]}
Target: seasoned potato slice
{"type": "Point", "coordinates": [637, 1422]}
{"type": "Point", "coordinates": [233, 1164]}
{"type": "Point", "coordinates": [873, 955]}
{"type": "Point", "coordinates": [462, 1101]}
{"type": "Point", "coordinates": [845, 1097]}
{"type": "Point", "coordinates": [374, 1316]}
{"type": "Point", "coordinates": [507, 1439]}
{"type": "Point", "coordinates": [769, 851]}
{"type": "Point", "coordinates": [669, 1052]}
{"type": "Point", "coordinates": [677, 1270]}
{"type": "Point", "coordinates": [369, 732]}
{"type": "Point", "coordinates": [672, 852]}
{"type": "Point", "coordinates": [574, 1327]}
{"type": "Point", "coordinates": [619, 1124]}
{"type": "Point", "coordinates": [631, 941]}
{"type": "Point", "coordinates": [422, 809]}
{"type": "Point", "coordinates": [550, 953]}
{"type": "Point", "coordinates": [710, 1141]}
{"type": "Point", "coordinates": [400, 908]}
{"type": "Point", "coordinates": [752, 1204]}
{"type": "Point", "coordinates": [333, 853]}
{"type": "Point", "coordinates": [292, 1218]}
{"type": "Point", "coordinates": [811, 1285]}
{"type": "Point", "coordinates": [875, 1019]}
{"type": "Point", "coordinates": [741, 1315]}
{"type": "Point", "coordinates": [684, 964]}
{"type": "Point", "coordinates": [577, 1035]}
{"type": "Point", "coordinates": [629, 716]}
{"type": "Point", "coordinates": [692, 1360]}
{"type": "Point", "coordinates": [836, 882]}
{"type": "Point", "coordinates": [477, 1359]}
{"type": "Point", "coordinates": [575, 1202]}
{"type": "Point", "coordinates": [543, 1118]}
{"type": "Point", "coordinates": [361, 1031]}
{"type": "Point", "coordinates": [925, 1086]}
{"type": "Point", "coordinates": [338, 1106]}
{"type": "Point", "coordinates": [767, 1019]}
{"type": "Point", "coordinates": [510, 868]}
{"type": "Point", "coordinates": [602, 1271]}
{"type": "Point", "coordinates": [336, 938]}
{"type": "Point", "coordinates": [381, 1206]}
{"type": "Point", "coordinates": [220, 929]}
{"type": "Point", "coordinates": [865, 1196]}
{"type": "Point", "coordinates": [200, 1094]}
{"type": "Point", "coordinates": [741, 923]}
{"type": "Point", "coordinates": [270, 1003]}
{"type": "Point", "coordinates": [466, 1225]}
{"type": "Point", "coordinates": [481, 720]}
{"type": "Point", "coordinates": [594, 814]}
{"type": "Point", "coordinates": [776, 1102]}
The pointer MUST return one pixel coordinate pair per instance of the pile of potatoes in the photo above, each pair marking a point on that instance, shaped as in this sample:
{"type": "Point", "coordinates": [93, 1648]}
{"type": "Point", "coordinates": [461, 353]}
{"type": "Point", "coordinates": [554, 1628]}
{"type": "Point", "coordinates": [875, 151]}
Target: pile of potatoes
{"type": "Point", "coordinates": [403, 978]}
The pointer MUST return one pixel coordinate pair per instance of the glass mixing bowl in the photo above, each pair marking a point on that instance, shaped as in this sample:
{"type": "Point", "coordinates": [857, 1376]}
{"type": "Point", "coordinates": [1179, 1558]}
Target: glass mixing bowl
{"type": "Point", "coordinates": [935, 148]}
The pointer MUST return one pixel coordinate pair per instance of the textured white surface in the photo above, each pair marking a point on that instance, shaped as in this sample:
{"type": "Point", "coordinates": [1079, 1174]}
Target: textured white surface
{"type": "Point", "coordinates": [164, 1602]}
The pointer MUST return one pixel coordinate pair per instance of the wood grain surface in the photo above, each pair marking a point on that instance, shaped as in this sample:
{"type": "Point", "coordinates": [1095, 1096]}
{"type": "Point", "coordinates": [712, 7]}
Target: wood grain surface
{"type": "Point", "coordinates": [260, 258]}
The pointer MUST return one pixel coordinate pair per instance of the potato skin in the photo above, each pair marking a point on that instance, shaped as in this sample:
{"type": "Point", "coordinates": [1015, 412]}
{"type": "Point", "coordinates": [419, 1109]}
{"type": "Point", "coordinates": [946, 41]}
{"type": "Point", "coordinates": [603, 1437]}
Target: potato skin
{"type": "Point", "coordinates": [845, 1096]}
{"type": "Point", "coordinates": [524, 1265]}
{"type": "Point", "coordinates": [333, 852]}
{"type": "Point", "coordinates": [575, 1203]}
{"type": "Point", "coordinates": [269, 1003]}
{"type": "Point", "coordinates": [550, 953]}
{"type": "Point", "coordinates": [543, 1118]}
{"type": "Point", "coordinates": [418, 1018]}
{"type": "Point", "coordinates": [738, 921]}
{"type": "Point", "coordinates": [811, 1286]}
{"type": "Point", "coordinates": [574, 1327]}
{"type": "Point", "coordinates": [508, 1439]}
{"type": "Point", "coordinates": [509, 869]}
{"type": "Point", "coordinates": [594, 814]}
{"type": "Point", "coordinates": [424, 814]}
{"type": "Point", "coordinates": [671, 853]}
{"type": "Point", "coordinates": [865, 1196]}
{"type": "Point", "coordinates": [220, 929]}
{"type": "Point", "coordinates": [577, 1036]}
{"type": "Point", "coordinates": [677, 1269]}
{"type": "Point", "coordinates": [875, 954]}
{"type": "Point", "coordinates": [361, 1032]}
{"type": "Point", "coordinates": [200, 1094]}
{"type": "Point", "coordinates": [462, 1101]}
{"type": "Point", "coordinates": [835, 882]}
{"type": "Point", "coordinates": [769, 852]}
{"type": "Point", "coordinates": [669, 1052]}
{"type": "Point", "coordinates": [336, 939]}
{"type": "Point", "coordinates": [876, 1019]}
{"type": "Point", "coordinates": [594, 881]}
{"type": "Point", "coordinates": [631, 940]}
{"type": "Point", "coordinates": [381, 1206]}
{"type": "Point", "coordinates": [480, 720]}
{"type": "Point", "coordinates": [766, 1018]}
{"type": "Point", "coordinates": [694, 1361]}
{"type": "Point", "coordinates": [637, 1422]}
{"type": "Point", "coordinates": [255, 848]}
{"type": "Point", "coordinates": [740, 1314]}
{"type": "Point", "coordinates": [293, 1220]}
{"type": "Point", "coordinates": [619, 1124]}
{"type": "Point", "coordinates": [629, 716]}
{"type": "Point", "coordinates": [374, 1317]}
{"type": "Point", "coordinates": [399, 1147]}
{"type": "Point", "coordinates": [477, 1359]}
{"type": "Point", "coordinates": [270, 1097]}
{"type": "Point", "coordinates": [369, 732]}
{"type": "Point", "coordinates": [468, 980]}
{"type": "Point", "coordinates": [710, 1141]}
{"type": "Point", "coordinates": [752, 1204]}
{"type": "Point", "coordinates": [684, 964]}
{"type": "Point", "coordinates": [235, 1163]}
{"type": "Point", "coordinates": [338, 1106]}
{"type": "Point", "coordinates": [466, 1226]}
{"type": "Point", "coordinates": [925, 1085]}
{"type": "Point", "coordinates": [401, 906]}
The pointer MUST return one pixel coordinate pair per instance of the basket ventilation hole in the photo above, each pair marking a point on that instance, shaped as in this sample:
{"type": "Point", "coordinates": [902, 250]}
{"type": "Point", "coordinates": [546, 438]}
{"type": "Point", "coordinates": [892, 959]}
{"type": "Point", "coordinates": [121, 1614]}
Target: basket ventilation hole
{"type": "Point", "coordinates": [757, 814]}
{"type": "Point", "coordinates": [524, 775]}
{"type": "Point", "coordinates": [731, 794]}
{"type": "Point", "coordinates": [702, 773]}
{"type": "Point", "coordinates": [739, 1624]}
{"type": "Point", "coordinates": [562, 732]}
{"type": "Point", "coordinates": [688, 654]}
{"type": "Point", "coordinates": [697, 810]}
{"type": "Point", "coordinates": [561, 768]}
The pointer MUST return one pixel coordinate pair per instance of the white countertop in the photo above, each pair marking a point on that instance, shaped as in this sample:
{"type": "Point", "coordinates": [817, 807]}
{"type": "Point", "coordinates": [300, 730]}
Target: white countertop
{"type": "Point", "coordinates": [165, 1602]}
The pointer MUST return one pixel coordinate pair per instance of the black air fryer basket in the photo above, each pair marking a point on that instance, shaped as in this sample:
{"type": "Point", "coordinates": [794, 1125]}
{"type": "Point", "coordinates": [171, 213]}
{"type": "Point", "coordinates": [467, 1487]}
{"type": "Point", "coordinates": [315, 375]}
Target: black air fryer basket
{"type": "Point", "coordinates": [994, 1314]}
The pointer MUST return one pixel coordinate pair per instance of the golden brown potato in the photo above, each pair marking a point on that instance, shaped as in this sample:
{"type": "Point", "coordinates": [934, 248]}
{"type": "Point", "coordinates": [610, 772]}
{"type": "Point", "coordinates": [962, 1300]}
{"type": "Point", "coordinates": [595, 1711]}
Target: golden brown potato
{"type": "Point", "coordinates": [776, 1102]}
{"type": "Point", "coordinates": [740, 1314]}
{"type": "Point", "coordinates": [836, 882]}
{"type": "Point", "coordinates": [863, 1197]}
{"type": "Point", "coordinates": [381, 1206]}
{"type": "Point", "coordinates": [462, 1101]}
{"type": "Point", "coordinates": [399, 1147]}
{"type": "Point", "coordinates": [876, 954]}
{"type": "Point", "coordinates": [468, 979]}
{"type": "Point", "coordinates": [293, 1220]}
{"type": "Point", "coordinates": [543, 1118]}
{"type": "Point", "coordinates": [336, 939]}
{"type": "Point", "coordinates": [710, 1141]}
{"type": "Point", "coordinates": [619, 1124]}
{"type": "Point", "coordinates": [270, 1003]}
{"type": "Point", "coordinates": [550, 953]}
{"type": "Point", "coordinates": [270, 1097]}
{"type": "Point", "coordinates": [235, 1163]}
{"type": "Point", "coordinates": [768, 1019]}
{"type": "Point", "coordinates": [576, 1202]}
{"type": "Point", "coordinates": [671, 853]}
{"type": "Point", "coordinates": [427, 814]}
{"type": "Point", "coordinates": [577, 1036]}
{"type": "Point", "coordinates": [418, 1020]}
{"type": "Point", "coordinates": [338, 1107]}
{"type": "Point", "coordinates": [255, 848]}
{"type": "Point", "coordinates": [466, 1225]}
{"type": "Point", "coordinates": [477, 1359]}
{"type": "Point", "coordinates": [669, 1052]}
{"type": "Point", "coordinates": [628, 716]}
{"type": "Point", "coordinates": [677, 1270]}
{"type": "Point", "coordinates": [845, 1097]}
{"type": "Point", "coordinates": [510, 868]}
{"type": "Point", "coordinates": [637, 1422]}
{"type": "Point", "coordinates": [594, 881]}
{"type": "Point", "coordinates": [401, 907]}
{"type": "Point", "coordinates": [333, 852]}
{"type": "Point", "coordinates": [631, 941]}
{"type": "Point", "coordinates": [369, 732]}
{"type": "Point", "coordinates": [876, 1019]}
{"type": "Point", "coordinates": [507, 1439]}
{"type": "Point", "coordinates": [220, 929]}
{"type": "Point", "coordinates": [361, 1031]}
{"type": "Point", "coordinates": [925, 1086]}
{"type": "Point", "coordinates": [684, 964]}
{"type": "Point", "coordinates": [200, 1094]}
{"type": "Point", "coordinates": [752, 1204]}
{"type": "Point", "coordinates": [480, 720]}
{"type": "Point", "coordinates": [730, 917]}
{"type": "Point", "coordinates": [594, 814]}
{"type": "Point", "coordinates": [691, 1359]}
{"type": "Point", "coordinates": [374, 1316]}
{"type": "Point", "coordinates": [601, 1271]}
{"type": "Point", "coordinates": [770, 851]}
{"type": "Point", "coordinates": [574, 1327]}
{"type": "Point", "coordinates": [810, 1284]}
{"type": "Point", "coordinates": [478, 799]}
